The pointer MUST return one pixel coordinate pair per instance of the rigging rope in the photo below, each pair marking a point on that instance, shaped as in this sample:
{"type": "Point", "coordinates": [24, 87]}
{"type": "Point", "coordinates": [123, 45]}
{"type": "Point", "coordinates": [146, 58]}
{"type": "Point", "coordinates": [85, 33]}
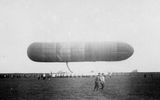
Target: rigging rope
{"type": "Point", "coordinates": [68, 67]}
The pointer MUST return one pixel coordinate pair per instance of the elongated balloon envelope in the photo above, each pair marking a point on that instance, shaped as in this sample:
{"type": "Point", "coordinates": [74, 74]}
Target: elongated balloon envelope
{"type": "Point", "coordinates": [79, 52]}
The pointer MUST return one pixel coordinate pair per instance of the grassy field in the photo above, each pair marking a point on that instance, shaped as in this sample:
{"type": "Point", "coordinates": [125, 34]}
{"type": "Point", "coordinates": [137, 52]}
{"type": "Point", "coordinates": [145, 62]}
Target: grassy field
{"type": "Point", "coordinates": [118, 87]}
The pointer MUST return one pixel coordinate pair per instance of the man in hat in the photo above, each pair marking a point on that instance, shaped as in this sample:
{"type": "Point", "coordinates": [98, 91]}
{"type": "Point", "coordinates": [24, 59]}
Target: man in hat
{"type": "Point", "coordinates": [97, 82]}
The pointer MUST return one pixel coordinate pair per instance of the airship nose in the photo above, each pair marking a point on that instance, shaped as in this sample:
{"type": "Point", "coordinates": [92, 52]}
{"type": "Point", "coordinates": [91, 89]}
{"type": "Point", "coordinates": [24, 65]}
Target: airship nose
{"type": "Point", "coordinates": [124, 51]}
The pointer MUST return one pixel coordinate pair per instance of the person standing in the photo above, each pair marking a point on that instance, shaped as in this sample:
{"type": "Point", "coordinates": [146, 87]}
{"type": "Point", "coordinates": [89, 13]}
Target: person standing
{"type": "Point", "coordinates": [102, 80]}
{"type": "Point", "coordinates": [97, 82]}
{"type": "Point", "coordinates": [44, 76]}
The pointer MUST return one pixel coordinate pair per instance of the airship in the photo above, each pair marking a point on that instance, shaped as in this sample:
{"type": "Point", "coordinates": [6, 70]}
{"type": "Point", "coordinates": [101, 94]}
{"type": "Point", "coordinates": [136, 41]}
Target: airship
{"type": "Point", "coordinates": [79, 52]}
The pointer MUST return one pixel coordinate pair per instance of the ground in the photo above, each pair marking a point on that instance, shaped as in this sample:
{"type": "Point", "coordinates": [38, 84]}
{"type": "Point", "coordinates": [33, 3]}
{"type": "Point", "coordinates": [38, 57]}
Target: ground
{"type": "Point", "coordinates": [118, 87]}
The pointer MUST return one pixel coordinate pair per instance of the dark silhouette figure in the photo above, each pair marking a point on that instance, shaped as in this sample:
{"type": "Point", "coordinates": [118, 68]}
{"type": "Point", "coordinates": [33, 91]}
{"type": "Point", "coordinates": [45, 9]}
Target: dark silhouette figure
{"type": "Point", "coordinates": [97, 82]}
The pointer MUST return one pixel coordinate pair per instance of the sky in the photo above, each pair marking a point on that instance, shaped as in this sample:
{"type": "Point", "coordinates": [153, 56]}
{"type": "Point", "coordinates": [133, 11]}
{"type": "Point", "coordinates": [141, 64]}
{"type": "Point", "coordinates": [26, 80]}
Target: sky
{"type": "Point", "coordinates": [135, 22]}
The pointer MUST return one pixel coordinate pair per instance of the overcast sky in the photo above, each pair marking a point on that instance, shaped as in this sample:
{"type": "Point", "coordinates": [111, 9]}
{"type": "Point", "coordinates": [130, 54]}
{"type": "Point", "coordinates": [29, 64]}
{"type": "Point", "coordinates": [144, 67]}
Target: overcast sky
{"type": "Point", "coordinates": [136, 22]}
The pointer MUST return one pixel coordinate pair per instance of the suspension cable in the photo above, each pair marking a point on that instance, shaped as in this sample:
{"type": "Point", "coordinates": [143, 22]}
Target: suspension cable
{"type": "Point", "coordinates": [68, 67]}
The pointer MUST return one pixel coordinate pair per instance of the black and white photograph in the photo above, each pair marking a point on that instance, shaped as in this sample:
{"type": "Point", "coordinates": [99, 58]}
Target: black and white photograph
{"type": "Point", "coordinates": [79, 50]}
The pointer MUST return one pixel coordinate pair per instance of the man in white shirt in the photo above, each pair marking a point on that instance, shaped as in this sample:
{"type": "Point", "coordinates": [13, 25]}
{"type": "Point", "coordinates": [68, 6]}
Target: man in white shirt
{"type": "Point", "coordinates": [102, 80]}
